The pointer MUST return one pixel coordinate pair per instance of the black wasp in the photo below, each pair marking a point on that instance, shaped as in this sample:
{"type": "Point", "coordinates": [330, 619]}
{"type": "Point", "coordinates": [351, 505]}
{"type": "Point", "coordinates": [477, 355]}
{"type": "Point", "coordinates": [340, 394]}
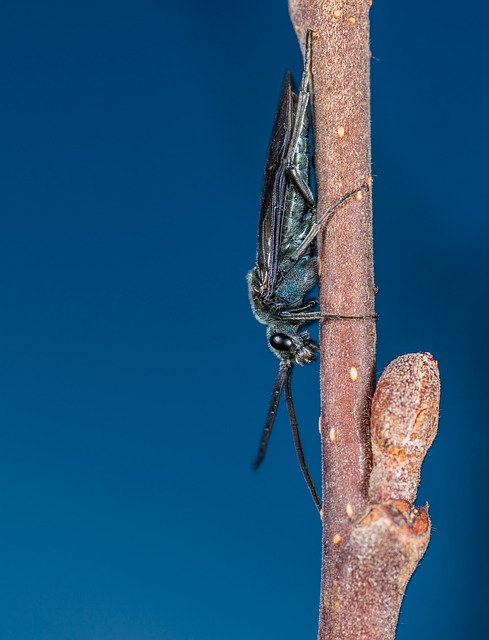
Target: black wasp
{"type": "Point", "coordinates": [286, 265]}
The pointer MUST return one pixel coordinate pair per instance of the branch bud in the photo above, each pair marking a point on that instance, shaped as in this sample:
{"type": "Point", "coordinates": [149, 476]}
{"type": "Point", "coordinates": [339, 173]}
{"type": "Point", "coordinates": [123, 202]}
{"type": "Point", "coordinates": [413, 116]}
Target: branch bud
{"type": "Point", "coordinates": [403, 425]}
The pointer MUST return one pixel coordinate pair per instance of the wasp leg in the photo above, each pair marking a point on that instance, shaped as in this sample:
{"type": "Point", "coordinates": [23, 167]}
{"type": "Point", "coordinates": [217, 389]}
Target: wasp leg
{"type": "Point", "coordinates": [311, 316]}
{"type": "Point", "coordinates": [291, 313]}
{"type": "Point", "coordinates": [301, 185]}
{"type": "Point", "coordinates": [302, 102]}
{"type": "Point", "coordinates": [300, 113]}
{"type": "Point", "coordinates": [303, 248]}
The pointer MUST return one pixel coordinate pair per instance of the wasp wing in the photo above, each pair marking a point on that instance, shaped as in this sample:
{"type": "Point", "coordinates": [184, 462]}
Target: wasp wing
{"type": "Point", "coordinates": [274, 192]}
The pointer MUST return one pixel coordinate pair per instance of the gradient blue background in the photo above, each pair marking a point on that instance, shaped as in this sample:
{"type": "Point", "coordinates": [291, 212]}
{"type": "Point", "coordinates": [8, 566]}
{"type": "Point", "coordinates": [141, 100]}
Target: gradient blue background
{"type": "Point", "coordinates": [134, 380]}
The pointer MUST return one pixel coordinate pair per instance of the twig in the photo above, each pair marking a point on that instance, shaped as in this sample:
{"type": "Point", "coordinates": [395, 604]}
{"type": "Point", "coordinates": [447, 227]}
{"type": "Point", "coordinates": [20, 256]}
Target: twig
{"type": "Point", "coordinates": [371, 541]}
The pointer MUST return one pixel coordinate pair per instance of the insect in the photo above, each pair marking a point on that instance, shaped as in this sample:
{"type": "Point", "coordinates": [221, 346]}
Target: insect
{"type": "Point", "coordinates": [286, 267]}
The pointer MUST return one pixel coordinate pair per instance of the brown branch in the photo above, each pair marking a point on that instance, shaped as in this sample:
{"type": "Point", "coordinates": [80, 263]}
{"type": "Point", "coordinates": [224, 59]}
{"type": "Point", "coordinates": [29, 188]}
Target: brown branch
{"type": "Point", "coordinates": [373, 537]}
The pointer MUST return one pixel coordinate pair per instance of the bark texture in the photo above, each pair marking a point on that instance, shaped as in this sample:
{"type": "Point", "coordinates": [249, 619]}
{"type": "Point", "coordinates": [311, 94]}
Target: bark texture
{"type": "Point", "coordinates": [373, 537]}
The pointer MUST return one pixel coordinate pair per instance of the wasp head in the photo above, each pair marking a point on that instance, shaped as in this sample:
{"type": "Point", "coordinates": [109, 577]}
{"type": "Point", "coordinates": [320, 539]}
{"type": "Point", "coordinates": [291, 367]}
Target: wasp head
{"type": "Point", "coordinates": [286, 343]}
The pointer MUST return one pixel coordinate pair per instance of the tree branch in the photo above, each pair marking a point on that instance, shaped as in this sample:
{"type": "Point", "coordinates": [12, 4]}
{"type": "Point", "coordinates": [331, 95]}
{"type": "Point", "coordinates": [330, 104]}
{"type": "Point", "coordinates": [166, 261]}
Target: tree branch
{"type": "Point", "coordinates": [373, 537]}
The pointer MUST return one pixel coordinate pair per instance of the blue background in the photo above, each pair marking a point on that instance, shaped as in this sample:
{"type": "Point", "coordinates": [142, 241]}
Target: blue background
{"type": "Point", "coordinates": [134, 380]}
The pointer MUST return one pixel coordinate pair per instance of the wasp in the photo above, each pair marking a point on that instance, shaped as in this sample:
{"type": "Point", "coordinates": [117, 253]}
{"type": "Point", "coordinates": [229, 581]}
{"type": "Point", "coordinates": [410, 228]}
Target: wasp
{"type": "Point", "coordinates": [286, 267]}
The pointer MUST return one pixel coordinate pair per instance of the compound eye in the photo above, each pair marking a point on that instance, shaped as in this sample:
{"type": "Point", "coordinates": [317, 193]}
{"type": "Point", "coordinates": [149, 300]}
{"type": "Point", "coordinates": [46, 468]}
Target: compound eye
{"type": "Point", "coordinates": [281, 342]}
